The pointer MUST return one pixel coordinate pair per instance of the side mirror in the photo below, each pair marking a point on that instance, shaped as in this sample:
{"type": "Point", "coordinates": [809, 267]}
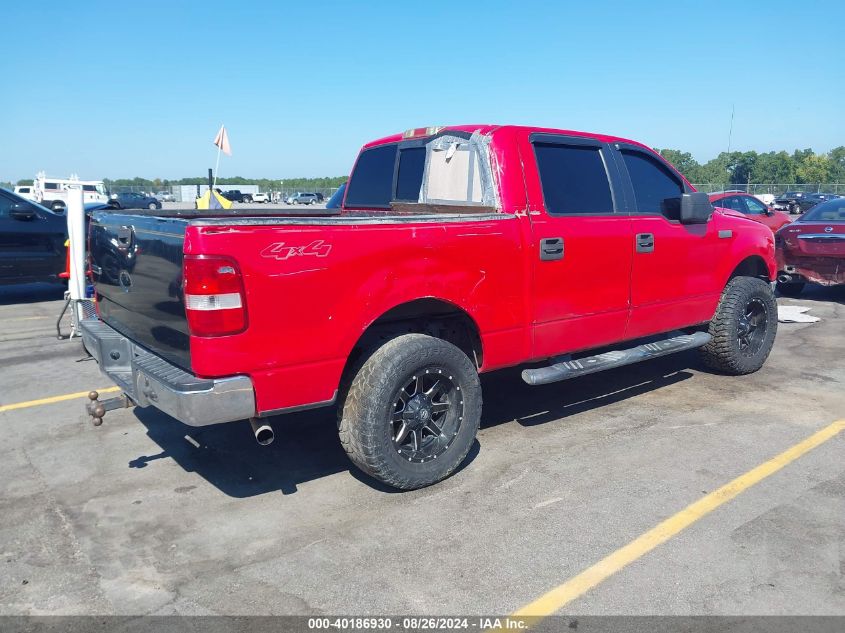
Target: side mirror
{"type": "Point", "coordinates": [695, 208]}
{"type": "Point", "coordinates": [21, 212]}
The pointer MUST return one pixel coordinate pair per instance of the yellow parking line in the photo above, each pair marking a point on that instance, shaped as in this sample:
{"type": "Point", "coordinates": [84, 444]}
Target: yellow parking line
{"type": "Point", "coordinates": [52, 399]}
{"type": "Point", "coordinates": [554, 600]}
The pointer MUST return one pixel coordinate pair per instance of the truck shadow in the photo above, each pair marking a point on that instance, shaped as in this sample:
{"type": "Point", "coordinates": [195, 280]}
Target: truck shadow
{"type": "Point", "coordinates": [813, 293]}
{"type": "Point", "coordinates": [507, 398]}
{"type": "Point", "coordinates": [307, 447]}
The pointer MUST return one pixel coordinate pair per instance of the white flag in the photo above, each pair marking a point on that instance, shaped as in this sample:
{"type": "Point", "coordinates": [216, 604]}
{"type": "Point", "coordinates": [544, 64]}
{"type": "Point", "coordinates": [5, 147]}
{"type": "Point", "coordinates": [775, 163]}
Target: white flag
{"type": "Point", "coordinates": [222, 141]}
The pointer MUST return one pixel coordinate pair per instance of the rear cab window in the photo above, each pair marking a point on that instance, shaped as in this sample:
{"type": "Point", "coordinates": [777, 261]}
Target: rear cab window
{"type": "Point", "coordinates": [451, 169]}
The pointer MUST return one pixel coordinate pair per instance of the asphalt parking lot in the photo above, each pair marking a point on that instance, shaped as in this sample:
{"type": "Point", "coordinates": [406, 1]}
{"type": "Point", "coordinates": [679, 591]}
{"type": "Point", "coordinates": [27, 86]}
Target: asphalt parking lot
{"type": "Point", "coordinates": [146, 516]}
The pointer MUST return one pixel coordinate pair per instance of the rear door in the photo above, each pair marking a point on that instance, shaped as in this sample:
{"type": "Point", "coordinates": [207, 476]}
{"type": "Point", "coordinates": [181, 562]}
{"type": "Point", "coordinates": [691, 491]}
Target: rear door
{"type": "Point", "coordinates": [582, 243]}
{"type": "Point", "coordinates": [673, 283]}
{"type": "Point", "coordinates": [31, 241]}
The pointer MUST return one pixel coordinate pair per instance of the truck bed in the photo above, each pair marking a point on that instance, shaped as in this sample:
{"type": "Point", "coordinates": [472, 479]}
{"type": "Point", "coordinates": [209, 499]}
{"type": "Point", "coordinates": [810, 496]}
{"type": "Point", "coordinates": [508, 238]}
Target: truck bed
{"type": "Point", "coordinates": [137, 262]}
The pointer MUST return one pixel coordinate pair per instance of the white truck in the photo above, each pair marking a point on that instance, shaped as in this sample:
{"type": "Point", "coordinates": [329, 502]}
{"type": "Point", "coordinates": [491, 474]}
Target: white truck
{"type": "Point", "coordinates": [52, 192]}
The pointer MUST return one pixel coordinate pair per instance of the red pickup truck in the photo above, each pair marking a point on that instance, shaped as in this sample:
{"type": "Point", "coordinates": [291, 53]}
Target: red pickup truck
{"type": "Point", "coordinates": [456, 251]}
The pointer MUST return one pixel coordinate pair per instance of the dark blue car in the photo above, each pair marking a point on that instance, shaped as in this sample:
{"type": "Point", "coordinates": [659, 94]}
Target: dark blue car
{"type": "Point", "coordinates": [32, 241]}
{"type": "Point", "coordinates": [132, 200]}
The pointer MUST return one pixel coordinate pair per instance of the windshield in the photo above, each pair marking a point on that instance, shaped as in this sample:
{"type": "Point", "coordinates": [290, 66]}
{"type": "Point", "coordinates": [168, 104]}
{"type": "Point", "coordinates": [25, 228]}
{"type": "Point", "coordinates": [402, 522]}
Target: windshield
{"type": "Point", "coordinates": [830, 211]}
{"type": "Point", "coordinates": [31, 203]}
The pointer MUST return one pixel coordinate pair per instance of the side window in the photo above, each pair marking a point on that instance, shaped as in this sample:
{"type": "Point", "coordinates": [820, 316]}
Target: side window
{"type": "Point", "coordinates": [656, 188]}
{"type": "Point", "coordinates": [5, 205]}
{"type": "Point", "coordinates": [755, 207]}
{"type": "Point", "coordinates": [371, 183]}
{"type": "Point", "coordinates": [51, 186]}
{"type": "Point", "coordinates": [574, 179]}
{"type": "Point", "coordinates": [732, 202]}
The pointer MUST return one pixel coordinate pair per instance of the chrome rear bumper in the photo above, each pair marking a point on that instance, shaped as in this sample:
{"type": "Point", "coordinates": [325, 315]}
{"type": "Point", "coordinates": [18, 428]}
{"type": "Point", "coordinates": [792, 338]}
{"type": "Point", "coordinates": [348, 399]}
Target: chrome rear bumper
{"type": "Point", "coordinates": [149, 380]}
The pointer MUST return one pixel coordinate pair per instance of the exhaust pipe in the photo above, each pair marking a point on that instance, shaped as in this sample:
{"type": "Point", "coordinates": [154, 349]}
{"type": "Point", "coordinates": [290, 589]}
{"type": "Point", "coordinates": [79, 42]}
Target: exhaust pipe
{"type": "Point", "coordinates": [784, 278]}
{"type": "Point", "coordinates": [263, 432]}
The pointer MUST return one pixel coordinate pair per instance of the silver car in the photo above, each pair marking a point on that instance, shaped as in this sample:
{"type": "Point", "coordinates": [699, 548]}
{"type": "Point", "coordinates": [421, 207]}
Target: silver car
{"type": "Point", "coordinates": [304, 198]}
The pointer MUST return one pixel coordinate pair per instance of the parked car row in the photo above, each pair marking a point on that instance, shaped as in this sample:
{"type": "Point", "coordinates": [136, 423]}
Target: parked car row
{"type": "Point", "coordinates": [796, 202]}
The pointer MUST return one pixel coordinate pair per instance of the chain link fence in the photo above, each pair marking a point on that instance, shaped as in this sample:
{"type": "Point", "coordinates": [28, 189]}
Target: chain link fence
{"type": "Point", "coordinates": [773, 189]}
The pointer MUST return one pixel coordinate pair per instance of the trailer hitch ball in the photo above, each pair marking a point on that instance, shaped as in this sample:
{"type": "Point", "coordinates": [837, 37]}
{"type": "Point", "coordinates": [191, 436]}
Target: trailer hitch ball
{"type": "Point", "coordinates": [97, 408]}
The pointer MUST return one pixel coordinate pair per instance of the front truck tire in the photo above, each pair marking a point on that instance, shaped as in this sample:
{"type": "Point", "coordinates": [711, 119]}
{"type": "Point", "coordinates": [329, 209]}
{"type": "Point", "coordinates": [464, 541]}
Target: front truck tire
{"type": "Point", "coordinates": [743, 328]}
{"type": "Point", "coordinates": [412, 412]}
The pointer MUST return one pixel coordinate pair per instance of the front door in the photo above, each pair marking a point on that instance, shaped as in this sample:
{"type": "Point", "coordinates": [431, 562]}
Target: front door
{"type": "Point", "coordinates": [581, 242]}
{"type": "Point", "coordinates": [673, 284]}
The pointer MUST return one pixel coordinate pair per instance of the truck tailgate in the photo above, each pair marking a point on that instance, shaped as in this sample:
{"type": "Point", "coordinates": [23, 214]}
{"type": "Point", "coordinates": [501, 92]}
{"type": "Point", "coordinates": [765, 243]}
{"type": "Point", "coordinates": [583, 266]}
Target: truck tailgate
{"type": "Point", "coordinates": [137, 269]}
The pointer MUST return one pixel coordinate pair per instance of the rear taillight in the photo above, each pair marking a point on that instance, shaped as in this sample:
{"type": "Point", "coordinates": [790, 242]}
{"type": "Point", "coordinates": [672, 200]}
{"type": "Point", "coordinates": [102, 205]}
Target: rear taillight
{"type": "Point", "coordinates": [214, 295]}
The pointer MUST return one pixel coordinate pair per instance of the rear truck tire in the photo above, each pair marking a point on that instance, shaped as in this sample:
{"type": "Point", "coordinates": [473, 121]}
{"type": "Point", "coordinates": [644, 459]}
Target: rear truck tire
{"type": "Point", "coordinates": [743, 328]}
{"type": "Point", "coordinates": [790, 289]}
{"type": "Point", "coordinates": [412, 412]}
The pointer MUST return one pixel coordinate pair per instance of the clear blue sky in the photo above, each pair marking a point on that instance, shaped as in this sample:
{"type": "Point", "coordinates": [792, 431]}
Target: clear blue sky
{"type": "Point", "coordinates": [123, 89]}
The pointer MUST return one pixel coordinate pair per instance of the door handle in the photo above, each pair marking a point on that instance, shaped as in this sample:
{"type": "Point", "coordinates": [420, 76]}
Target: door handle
{"type": "Point", "coordinates": [124, 235]}
{"type": "Point", "coordinates": [645, 242]}
{"type": "Point", "coordinates": [551, 248]}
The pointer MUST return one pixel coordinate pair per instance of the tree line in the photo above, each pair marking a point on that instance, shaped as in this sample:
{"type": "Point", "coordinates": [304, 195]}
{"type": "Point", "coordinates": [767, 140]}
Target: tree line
{"type": "Point", "coordinates": [744, 168]}
{"type": "Point", "coordinates": [728, 168]}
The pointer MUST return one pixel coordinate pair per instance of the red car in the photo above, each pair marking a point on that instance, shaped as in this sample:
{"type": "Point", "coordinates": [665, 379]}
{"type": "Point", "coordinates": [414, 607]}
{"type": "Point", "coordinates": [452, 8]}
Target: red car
{"type": "Point", "coordinates": [750, 206]}
{"type": "Point", "coordinates": [457, 251]}
{"type": "Point", "coordinates": [812, 249]}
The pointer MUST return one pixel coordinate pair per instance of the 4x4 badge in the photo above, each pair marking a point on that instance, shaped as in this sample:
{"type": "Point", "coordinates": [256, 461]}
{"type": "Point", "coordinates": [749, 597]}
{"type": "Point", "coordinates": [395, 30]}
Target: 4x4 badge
{"type": "Point", "coordinates": [278, 250]}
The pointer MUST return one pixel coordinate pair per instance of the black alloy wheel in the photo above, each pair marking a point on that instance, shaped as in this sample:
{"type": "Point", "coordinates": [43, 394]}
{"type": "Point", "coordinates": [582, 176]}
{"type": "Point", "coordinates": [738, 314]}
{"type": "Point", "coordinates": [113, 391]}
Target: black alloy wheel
{"type": "Point", "coordinates": [427, 415]}
{"type": "Point", "coordinates": [751, 327]}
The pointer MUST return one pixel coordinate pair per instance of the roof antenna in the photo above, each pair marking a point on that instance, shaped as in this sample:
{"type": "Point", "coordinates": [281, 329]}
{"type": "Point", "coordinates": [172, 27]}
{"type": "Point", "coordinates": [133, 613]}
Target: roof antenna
{"type": "Point", "coordinates": [730, 132]}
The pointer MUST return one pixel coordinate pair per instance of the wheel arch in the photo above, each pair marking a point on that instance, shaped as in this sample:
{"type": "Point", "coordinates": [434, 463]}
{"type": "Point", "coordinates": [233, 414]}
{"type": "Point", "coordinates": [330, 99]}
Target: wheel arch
{"type": "Point", "coordinates": [752, 266]}
{"type": "Point", "coordinates": [432, 316]}
{"type": "Point", "coordinates": [427, 315]}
